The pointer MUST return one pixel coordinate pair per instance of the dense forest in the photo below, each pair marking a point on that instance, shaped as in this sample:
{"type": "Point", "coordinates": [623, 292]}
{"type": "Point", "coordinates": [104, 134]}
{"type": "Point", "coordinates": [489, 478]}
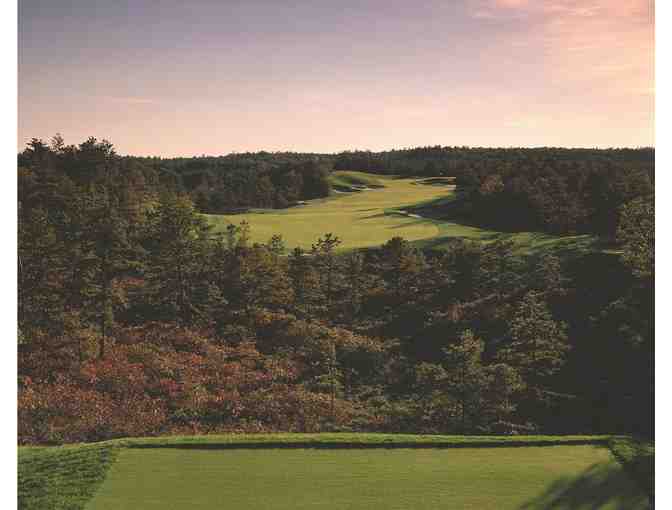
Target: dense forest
{"type": "Point", "coordinates": [547, 189]}
{"type": "Point", "coordinates": [226, 184]}
{"type": "Point", "coordinates": [239, 181]}
{"type": "Point", "coordinates": [551, 190]}
{"type": "Point", "coordinates": [136, 319]}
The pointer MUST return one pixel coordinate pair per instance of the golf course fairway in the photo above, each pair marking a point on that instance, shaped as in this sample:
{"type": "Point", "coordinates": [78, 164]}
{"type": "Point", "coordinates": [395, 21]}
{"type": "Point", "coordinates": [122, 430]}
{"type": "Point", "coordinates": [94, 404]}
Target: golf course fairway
{"type": "Point", "coordinates": [374, 215]}
{"type": "Point", "coordinates": [359, 219]}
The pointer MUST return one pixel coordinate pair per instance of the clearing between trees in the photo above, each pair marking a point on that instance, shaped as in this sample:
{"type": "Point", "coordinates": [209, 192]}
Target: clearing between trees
{"type": "Point", "coordinates": [368, 210]}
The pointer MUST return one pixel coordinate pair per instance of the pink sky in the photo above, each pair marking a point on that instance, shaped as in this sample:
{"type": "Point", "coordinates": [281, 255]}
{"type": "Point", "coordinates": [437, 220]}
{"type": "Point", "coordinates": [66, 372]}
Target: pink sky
{"type": "Point", "coordinates": [211, 77]}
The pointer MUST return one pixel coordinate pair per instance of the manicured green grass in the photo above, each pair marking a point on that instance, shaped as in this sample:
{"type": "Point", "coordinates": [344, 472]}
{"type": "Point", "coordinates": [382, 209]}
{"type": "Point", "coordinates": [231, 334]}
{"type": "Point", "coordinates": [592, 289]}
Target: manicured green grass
{"type": "Point", "coordinates": [61, 478]}
{"type": "Point", "coordinates": [370, 218]}
{"type": "Point", "coordinates": [376, 471]}
{"type": "Point", "coordinates": [481, 478]}
{"type": "Point", "coordinates": [359, 219]}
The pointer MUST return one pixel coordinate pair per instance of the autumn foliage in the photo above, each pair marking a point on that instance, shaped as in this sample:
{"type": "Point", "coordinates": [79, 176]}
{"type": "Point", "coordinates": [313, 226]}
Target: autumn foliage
{"type": "Point", "coordinates": [171, 380]}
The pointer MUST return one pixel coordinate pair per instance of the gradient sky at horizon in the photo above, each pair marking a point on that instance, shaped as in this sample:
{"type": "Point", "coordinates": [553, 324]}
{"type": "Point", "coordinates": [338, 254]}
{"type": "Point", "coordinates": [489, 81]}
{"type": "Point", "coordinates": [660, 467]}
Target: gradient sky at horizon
{"type": "Point", "coordinates": [171, 77]}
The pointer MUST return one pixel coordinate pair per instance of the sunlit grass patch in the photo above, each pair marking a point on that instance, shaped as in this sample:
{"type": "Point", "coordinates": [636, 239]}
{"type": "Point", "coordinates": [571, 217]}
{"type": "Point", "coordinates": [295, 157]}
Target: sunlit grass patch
{"type": "Point", "coordinates": [466, 478]}
{"type": "Point", "coordinates": [401, 208]}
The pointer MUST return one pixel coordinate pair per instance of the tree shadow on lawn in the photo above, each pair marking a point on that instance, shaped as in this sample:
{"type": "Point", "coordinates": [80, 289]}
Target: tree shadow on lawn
{"type": "Point", "coordinates": [600, 486]}
{"type": "Point", "coordinates": [529, 243]}
{"type": "Point", "coordinates": [372, 216]}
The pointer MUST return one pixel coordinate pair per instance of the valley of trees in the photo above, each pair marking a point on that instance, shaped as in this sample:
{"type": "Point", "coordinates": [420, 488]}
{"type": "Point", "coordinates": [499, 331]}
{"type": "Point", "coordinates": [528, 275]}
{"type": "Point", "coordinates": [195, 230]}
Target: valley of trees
{"type": "Point", "coordinates": [136, 319]}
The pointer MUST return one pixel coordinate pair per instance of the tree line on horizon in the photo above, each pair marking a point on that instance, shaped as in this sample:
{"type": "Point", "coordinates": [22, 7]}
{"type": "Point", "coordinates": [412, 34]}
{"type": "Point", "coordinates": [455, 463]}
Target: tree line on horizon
{"type": "Point", "coordinates": [554, 190]}
{"type": "Point", "coordinates": [136, 319]}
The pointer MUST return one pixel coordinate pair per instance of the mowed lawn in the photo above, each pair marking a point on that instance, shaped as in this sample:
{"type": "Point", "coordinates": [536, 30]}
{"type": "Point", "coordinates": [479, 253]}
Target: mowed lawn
{"type": "Point", "coordinates": [358, 218]}
{"type": "Point", "coordinates": [372, 217]}
{"type": "Point", "coordinates": [558, 477]}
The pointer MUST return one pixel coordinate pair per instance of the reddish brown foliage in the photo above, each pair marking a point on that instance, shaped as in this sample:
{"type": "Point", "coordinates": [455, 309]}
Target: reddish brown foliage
{"type": "Point", "coordinates": [174, 381]}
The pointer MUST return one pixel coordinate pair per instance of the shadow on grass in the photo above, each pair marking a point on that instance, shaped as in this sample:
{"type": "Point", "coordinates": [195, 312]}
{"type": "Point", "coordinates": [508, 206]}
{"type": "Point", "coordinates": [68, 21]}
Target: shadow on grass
{"type": "Point", "coordinates": [526, 243]}
{"type": "Point", "coordinates": [261, 445]}
{"type": "Point", "coordinates": [436, 181]}
{"type": "Point", "coordinates": [637, 456]}
{"type": "Point", "coordinates": [600, 486]}
{"type": "Point", "coordinates": [61, 477]}
{"type": "Point", "coordinates": [372, 216]}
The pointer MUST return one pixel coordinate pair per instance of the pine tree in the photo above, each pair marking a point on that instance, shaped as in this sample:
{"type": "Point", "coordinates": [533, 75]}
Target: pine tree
{"type": "Point", "coordinates": [401, 266]}
{"type": "Point", "coordinates": [305, 281]}
{"type": "Point", "coordinates": [636, 231]}
{"type": "Point", "coordinates": [537, 345]}
{"type": "Point", "coordinates": [466, 376]}
{"type": "Point", "coordinates": [41, 259]}
{"type": "Point", "coordinates": [258, 280]}
{"type": "Point", "coordinates": [355, 279]}
{"type": "Point", "coordinates": [107, 254]}
{"type": "Point", "coordinates": [176, 243]}
{"type": "Point", "coordinates": [547, 276]}
{"type": "Point", "coordinates": [503, 383]}
{"type": "Point", "coordinates": [326, 263]}
{"type": "Point", "coordinates": [276, 245]}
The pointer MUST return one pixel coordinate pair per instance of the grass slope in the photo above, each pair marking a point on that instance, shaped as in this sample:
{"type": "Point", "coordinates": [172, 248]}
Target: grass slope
{"type": "Point", "coordinates": [370, 218]}
{"type": "Point", "coordinates": [61, 478]}
{"type": "Point", "coordinates": [511, 478]}
{"type": "Point", "coordinates": [350, 181]}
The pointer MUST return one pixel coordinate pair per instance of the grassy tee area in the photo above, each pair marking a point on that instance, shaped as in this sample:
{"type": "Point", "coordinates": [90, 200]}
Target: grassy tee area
{"type": "Point", "coordinates": [297, 471]}
{"type": "Point", "coordinates": [386, 208]}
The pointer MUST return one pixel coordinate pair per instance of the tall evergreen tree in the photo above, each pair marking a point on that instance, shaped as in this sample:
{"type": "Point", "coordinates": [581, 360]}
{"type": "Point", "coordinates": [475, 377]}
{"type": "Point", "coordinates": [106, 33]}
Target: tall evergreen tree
{"type": "Point", "coordinates": [326, 263]}
{"type": "Point", "coordinates": [305, 281]}
{"type": "Point", "coordinates": [176, 236]}
{"type": "Point", "coordinates": [537, 345]}
{"type": "Point", "coordinates": [466, 377]}
{"type": "Point", "coordinates": [636, 231]}
{"type": "Point", "coordinates": [402, 265]}
{"type": "Point", "coordinates": [107, 255]}
{"type": "Point", "coordinates": [355, 279]}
